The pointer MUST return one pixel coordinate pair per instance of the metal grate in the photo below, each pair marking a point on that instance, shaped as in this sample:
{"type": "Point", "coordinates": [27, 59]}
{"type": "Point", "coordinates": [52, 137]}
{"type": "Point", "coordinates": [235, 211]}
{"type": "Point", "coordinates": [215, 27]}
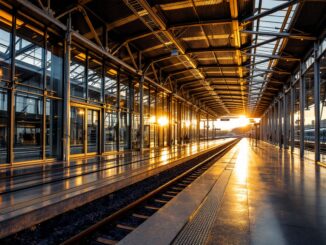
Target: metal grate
{"type": "Point", "coordinates": [196, 231]}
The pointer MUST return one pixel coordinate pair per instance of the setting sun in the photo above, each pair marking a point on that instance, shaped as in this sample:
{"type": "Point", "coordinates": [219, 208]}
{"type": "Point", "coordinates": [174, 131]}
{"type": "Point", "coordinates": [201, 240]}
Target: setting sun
{"type": "Point", "coordinates": [243, 121]}
{"type": "Point", "coordinates": [232, 122]}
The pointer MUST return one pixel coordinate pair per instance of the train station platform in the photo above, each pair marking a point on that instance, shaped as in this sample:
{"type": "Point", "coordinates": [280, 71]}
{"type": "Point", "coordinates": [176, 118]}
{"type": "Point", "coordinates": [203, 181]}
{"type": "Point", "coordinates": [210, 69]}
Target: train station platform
{"type": "Point", "coordinates": [255, 194]}
{"type": "Point", "coordinates": [33, 193]}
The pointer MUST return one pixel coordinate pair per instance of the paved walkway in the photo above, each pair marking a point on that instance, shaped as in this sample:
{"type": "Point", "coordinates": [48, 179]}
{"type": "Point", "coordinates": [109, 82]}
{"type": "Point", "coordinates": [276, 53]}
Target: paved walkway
{"type": "Point", "coordinates": [272, 198]}
{"type": "Point", "coordinates": [252, 195]}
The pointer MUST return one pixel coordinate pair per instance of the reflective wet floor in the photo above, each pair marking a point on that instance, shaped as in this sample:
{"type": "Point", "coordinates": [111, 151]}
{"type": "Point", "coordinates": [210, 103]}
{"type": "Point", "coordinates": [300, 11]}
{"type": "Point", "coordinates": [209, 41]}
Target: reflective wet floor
{"type": "Point", "coordinates": [272, 197]}
{"type": "Point", "coordinates": [20, 184]}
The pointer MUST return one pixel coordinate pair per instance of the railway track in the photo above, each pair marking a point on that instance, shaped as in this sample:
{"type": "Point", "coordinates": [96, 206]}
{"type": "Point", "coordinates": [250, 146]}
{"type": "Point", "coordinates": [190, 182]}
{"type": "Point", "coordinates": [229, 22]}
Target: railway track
{"type": "Point", "coordinates": [116, 226]}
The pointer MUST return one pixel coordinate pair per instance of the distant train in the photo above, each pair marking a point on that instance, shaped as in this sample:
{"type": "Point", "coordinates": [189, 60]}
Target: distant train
{"type": "Point", "coordinates": [309, 135]}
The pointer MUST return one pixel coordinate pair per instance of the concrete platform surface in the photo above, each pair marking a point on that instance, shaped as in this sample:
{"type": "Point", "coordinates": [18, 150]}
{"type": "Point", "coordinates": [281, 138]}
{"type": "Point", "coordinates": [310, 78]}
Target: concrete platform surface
{"type": "Point", "coordinates": [270, 197]}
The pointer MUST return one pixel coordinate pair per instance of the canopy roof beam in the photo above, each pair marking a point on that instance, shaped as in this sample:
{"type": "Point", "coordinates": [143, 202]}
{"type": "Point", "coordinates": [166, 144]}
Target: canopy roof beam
{"type": "Point", "coordinates": [268, 12]}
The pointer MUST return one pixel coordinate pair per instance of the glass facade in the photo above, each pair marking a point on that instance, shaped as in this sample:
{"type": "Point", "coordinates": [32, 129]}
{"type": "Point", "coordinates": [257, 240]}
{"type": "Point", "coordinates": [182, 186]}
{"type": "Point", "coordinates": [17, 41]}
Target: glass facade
{"type": "Point", "coordinates": [104, 103]}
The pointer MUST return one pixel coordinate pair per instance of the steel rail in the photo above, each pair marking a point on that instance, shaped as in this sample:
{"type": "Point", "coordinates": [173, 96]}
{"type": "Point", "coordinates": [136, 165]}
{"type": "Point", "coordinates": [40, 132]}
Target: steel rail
{"type": "Point", "coordinates": [85, 233]}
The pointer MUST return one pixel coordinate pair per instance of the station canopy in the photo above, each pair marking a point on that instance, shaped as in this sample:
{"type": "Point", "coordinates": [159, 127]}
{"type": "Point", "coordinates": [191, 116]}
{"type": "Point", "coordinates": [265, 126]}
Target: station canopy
{"type": "Point", "coordinates": [231, 57]}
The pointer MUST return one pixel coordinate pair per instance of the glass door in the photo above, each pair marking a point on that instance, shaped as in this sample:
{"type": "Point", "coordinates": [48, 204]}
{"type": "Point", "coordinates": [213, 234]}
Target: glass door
{"type": "Point", "coordinates": [84, 130]}
{"type": "Point", "coordinates": [77, 130]}
{"type": "Point", "coordinates": [92, 130]}
{"type": "Point", "coordinates": [110, 130]}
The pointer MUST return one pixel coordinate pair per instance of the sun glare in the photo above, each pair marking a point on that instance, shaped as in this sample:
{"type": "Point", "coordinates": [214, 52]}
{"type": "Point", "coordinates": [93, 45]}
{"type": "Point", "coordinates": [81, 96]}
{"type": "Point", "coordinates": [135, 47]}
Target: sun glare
{"type": "Point", "coordinates": [243, 121]}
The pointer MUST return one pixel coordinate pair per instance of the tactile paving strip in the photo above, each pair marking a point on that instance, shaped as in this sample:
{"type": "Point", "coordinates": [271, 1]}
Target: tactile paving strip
{"type": "Point", "coordinates": [196, 231]}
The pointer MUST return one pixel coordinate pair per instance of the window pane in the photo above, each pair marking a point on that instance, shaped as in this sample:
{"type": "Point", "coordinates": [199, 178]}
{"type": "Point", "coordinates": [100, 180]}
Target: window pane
{"type": "Point", "coordinates": [77, 76]}
{"type": "Point", "coordinates": [77, 130]}
{"type": "Point", "coordinates": [94, 80]}
{"type": "Point", "coordinates": [5, 54]}
{"type": "Point", "coordinates": [29, 58]}
{"type": "Point", "coordinates": [135, 131]}
{"type": "Point", "coordinates": [124, 130]}
{"type": "Point", "coordinates": [110, 90]}
{"type": "Point", "coordinates": [54, 67]}
{"type": "Point", "coordinates": [110, 126]}
{"type": "Point", "coordinates": [28, 127]}
{"type": "Point", "coordinates": [124, 95]}
{"type": "Point", "coordinates": [3, 125]}
{"type": "Point", "coordinates": [53, 128]}
{"type": "Point", "coordinates": [92, 130]}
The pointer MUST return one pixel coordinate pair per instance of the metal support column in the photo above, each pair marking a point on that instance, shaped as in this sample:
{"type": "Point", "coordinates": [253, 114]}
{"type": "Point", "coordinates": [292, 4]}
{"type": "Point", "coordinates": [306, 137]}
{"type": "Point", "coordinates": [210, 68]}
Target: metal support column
{"type": "Point", "coordinates": [171, 123]}
{"type": "Point", "coordinates": [141, 112]}
{"type": "Point", "coordinates": [285, 120]}
{"type": "Point", "coordinates": [117, 128]}
{"type": "Point", "coordinates": [198, 126]}
{"type": "Point", "coordinates": [262, 129]}
{"type": "Point", "coordinates": [66, 98]}
{"type": "Point", "coordinates": [11, 93]}
{"type": "Point", "coordinates": [181, 124]}
{"type": "Point", "coordinates": [317, 102]}
{"type": "Point", "coordinates": [207, 126]}
{"type": "Point", "coordinates": [86, 93]}
{"type": "Point", "coordinates": [190, 124]}
{"type": "Point", "coordinates": [267, 126]}
{"type": "Point", "coordinates": [265, 129]}
{"type": "Point", "coordinates": [103, 114]}
{"type": "Point", "coordinates": [44, 60]}
{"type": "Point", "coordinates": [292, 123]}
{"type": "Point", "coordinates": [302, 104]}
{"type": "Point", "coordinates": [270, 123]}
{"type": "Point", "coordinates": [130, 103]}
{"type": "Point", "coordinates": [273, 124]}
{"type": "Point", "coordinates": [156, 128]}
{"type": "Point", "coordinates": [279, 128]}
{"type": "Point", "coordinates": [271, 120]}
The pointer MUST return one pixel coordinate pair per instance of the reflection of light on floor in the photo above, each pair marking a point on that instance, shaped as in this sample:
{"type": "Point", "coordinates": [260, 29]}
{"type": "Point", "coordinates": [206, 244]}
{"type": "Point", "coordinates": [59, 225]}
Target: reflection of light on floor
{"type": "Point", "coordinates": [164, 156]}
{"type": "Point", "coordinates": [110, 172]}
{"type": "Point", "coordinates": [241, 167]}
{"type": "Point", "coordinates": [187, 150]}
{"type": "Point", "coordinates": [67, 174]}
{"type": "Point", "coordinates": [79, 179]}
